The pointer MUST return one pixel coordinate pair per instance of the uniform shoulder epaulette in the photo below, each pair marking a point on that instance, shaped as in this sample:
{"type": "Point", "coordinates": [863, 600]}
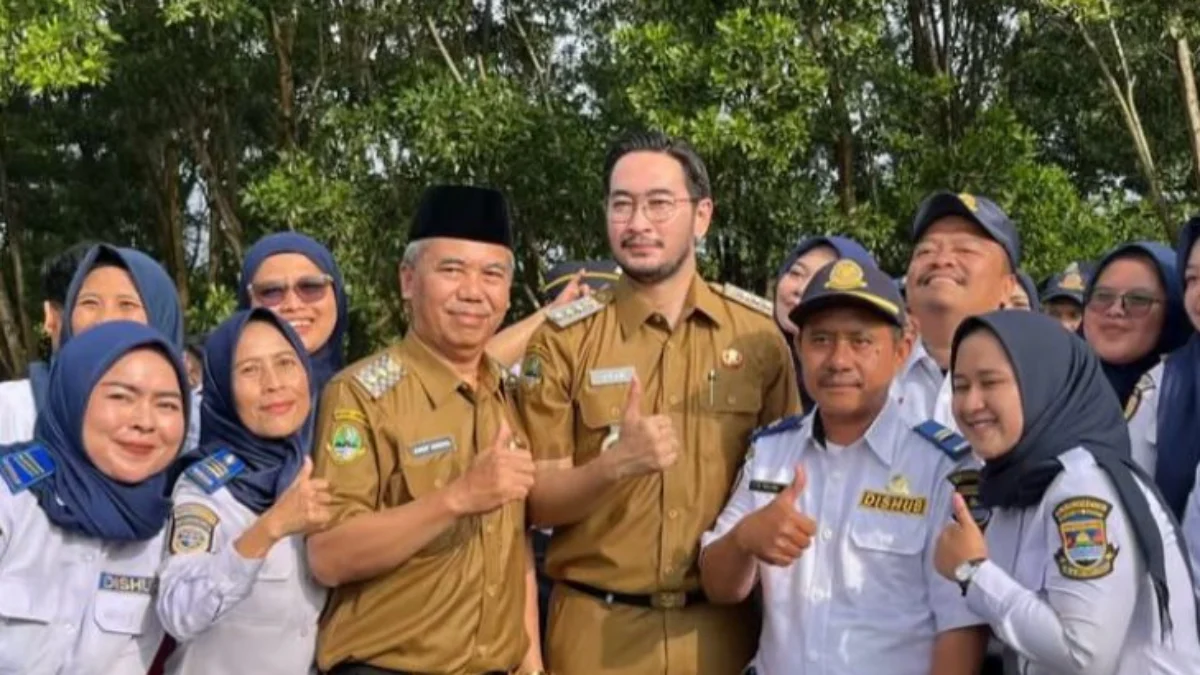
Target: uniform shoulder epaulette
{"type": "Point", "coordinates": [578, 310]}
{"type": "Point", "coordinates": [380, 374]}
{"type": "Point", "coordinates": [778, 426]}
{"type": "Point", "coordinates": [27, 467]}
{"type": "Point", "coordinates": [946, 439]}
{"type": "Point", "coordinates": [745, 298]}
{"type": "Point", "coordinates": [214, 471]}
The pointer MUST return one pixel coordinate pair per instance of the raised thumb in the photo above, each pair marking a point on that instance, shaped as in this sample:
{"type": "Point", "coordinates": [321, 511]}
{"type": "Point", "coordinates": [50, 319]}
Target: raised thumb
{"type": "Point", "coordinates": [962, 512]}
{"type": "Point", "coordinates": [305, 473]}
{"type": "Point", "coordinates": [791, 492]}
{"type": "Point", "coordinates": [633, 400]}
{"type": "Point", "coordinates": [503, 436]}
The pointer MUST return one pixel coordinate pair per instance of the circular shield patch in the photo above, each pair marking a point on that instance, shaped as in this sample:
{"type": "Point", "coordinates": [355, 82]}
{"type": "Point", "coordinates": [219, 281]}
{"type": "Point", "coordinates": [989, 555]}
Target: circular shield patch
{"type": "Point", "coordinates": [347, 443]}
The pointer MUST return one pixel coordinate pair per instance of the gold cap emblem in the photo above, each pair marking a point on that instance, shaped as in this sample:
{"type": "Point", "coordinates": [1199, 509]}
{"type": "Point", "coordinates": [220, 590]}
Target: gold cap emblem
{"type": "Point", "coordinates": [898, 485]}
{"type": "Point", "coordinates": [968, 201]}
{"type": "Point", "coordinates": [1072, 281]}
{"type": "Point", "coordinates": [846, 275]}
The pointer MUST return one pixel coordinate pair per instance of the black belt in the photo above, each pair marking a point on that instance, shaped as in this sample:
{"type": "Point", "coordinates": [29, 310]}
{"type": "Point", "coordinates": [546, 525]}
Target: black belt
{"type": "Point", "coordinates": [660, 600]}
{"type": "Point", "coordinates": [366, 669]}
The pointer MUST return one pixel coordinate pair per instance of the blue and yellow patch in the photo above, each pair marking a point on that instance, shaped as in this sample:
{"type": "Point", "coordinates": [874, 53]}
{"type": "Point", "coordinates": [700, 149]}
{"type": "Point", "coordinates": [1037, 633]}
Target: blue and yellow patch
{"type": "Point", "coordinates": [946, 439]}
{"type": "Point", "coordinates": [26, 467]}
{"type": "Point", "coordinates": [1086, 552]}
{"type": "Point", "coordinates": [214, 471]}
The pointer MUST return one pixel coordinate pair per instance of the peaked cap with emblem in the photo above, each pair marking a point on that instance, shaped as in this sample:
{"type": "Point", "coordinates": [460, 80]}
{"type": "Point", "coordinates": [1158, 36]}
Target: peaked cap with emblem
{"type": "Point", "coordinates": [1070, 284]}
{"type": "Point", "coordinates": [979, 210]}
{"type": "Point", "coordinates": [844, 283]}
{"type": "Point", "coordinates": [463, 212]}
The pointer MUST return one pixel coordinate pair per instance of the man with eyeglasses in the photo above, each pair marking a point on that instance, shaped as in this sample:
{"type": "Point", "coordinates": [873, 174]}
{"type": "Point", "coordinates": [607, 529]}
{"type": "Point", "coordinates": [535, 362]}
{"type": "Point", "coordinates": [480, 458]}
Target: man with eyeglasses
{"type": "Point", "coordinates": [639, 401]}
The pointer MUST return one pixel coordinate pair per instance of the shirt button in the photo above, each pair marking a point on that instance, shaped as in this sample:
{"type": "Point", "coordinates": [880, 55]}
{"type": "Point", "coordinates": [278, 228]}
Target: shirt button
{"type": "Point", "coordinates": [438, 483]}
{"type": "Point", "coordinates": [491, 591]}
{"type": "Point", "coordinates": [673, 513]}
{"type": "Point", "coordinates": [827, 534]}
{"type": "Point", "coordinates": [674, 399]}
{"type": "Point", "coordinates": [614, 410]}
{"type": "Point", "coordinates": [488, 528]}
{"type": "Point", "coordinates": [481, 649]}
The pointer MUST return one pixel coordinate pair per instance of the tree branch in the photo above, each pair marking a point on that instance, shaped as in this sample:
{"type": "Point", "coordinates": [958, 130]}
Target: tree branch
{"type": "Point", "coordinates": [442, 48]}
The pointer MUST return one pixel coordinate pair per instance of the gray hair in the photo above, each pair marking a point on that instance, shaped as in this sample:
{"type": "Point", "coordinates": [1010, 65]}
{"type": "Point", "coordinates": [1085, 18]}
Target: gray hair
{"type": "Point", "coordinates": [412, 253]}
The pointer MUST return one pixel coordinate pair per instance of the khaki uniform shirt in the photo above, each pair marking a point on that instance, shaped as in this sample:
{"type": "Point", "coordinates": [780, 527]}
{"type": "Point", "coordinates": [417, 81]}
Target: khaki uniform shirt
{"type": "Point", "coordinates": [722, 372]}
{"type": "Point", "coordinates": [393, 428]}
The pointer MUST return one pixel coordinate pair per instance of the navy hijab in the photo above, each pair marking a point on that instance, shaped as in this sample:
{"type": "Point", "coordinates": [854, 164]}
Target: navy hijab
{"type": "Point", "coordinates": [78, 497]}
{"type": "Point", "coordinates": [844, 247]}
{"type": "Point", "coordinates": [154, 286]}
{"type": "Point", "coordinates": [271, 464]}
{"type": "Point", "coordinates": [1067, 403]}
{"type": "Point", "coordinates": [1175, 330]}
{"type": "Point", "coordinates": [328, 359]}
{"type": "Point", "coordinates": [1179, 403]}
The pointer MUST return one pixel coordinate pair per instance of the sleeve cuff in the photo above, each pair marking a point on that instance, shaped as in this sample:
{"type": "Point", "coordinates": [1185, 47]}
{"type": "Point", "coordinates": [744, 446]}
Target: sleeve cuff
{"type": "Point", "coordinates": [235, 573]}
{"type": "Point", "coordinates": [991, 591]}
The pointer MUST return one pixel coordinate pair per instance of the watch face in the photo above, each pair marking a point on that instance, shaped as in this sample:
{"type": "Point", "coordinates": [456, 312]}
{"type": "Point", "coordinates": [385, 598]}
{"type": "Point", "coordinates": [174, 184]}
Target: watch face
{"type": "Point", "coordinates": [962, 573]}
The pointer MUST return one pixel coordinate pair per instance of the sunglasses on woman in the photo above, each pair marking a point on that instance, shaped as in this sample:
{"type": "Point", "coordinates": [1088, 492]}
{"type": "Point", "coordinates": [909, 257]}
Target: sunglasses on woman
{"type": "Point", "coordinates": [309, 289]}
{"type": "Point", "coordinates": [1134, 303]}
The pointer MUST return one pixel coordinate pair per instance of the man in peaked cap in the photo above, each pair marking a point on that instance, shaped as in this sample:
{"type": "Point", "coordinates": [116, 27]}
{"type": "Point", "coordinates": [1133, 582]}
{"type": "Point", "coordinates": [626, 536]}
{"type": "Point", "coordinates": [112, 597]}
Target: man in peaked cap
{"type": "Point", "coordinates": [1063, 296]}
{"type": "Point", "coordinates": [639, 401]}
{"type": "Point", "coordinates": [429, 466]}
{"type": "Point", "coordinates": [879, 501]}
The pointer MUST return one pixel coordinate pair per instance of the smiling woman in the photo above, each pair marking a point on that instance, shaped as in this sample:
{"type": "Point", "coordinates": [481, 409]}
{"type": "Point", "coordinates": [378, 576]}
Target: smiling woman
{"type": "Point", "coordinates": [83, 506]}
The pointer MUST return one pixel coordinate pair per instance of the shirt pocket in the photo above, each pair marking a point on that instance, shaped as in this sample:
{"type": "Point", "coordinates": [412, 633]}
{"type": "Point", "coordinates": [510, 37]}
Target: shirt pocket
{"type": "Point", "coordinates": [733, 405]}
{"type": "Point", "coordinates": [600, 411]}
{"type": "Point", "coordinates": [425, 475]}
{"type": "Point", "coordinates": [123, 613]}
{"type": "Point", "coordinates": [887, 561]}
{"type": "Point", "coordinates": [27, 601]}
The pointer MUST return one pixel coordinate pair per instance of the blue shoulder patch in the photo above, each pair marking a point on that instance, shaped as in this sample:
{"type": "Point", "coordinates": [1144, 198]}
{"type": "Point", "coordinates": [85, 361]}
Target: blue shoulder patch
{"type": "Point", "coordinates": [26, 467]}
{"type": "Point", "coordinates": [214, 471]}
{"type": "Point", "coordinates": [945, 438]}
{"type": "Point", "coordinates": [777, 427]}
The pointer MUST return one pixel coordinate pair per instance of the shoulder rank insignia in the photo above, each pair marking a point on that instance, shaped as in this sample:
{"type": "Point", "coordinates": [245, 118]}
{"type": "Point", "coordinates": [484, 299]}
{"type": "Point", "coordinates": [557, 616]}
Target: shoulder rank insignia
{"type": "Point", "coordinates": [946, 439]}
{"type": "Point", "coordinates": [777, 427]}
{"type": "Point", "coordinates": [745, 298]}
{"type": "Point", "coordinates": [1144, 385]}
{"type": "Point", "coordinates": [380, 375]}
{"type": "Point", "coordinates": [214, 471]}
{"type": "Point", "coordinates": [574, 312]}
{"type": "Point", "coordinates": [1086, 552]}
{"type": "Point", "coordinates": [26, 467]}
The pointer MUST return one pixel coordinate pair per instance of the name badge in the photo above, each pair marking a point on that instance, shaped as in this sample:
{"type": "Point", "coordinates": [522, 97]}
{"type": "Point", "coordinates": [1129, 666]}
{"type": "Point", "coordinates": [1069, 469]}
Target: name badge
{"type": "Point", "coordinates": [893, 503]}
{"type": "Point", "coordinates": [600, 377]}
{"type": "Point", "coordinates": [766, 486]}
{"type": "Point", "coordinates": [124, 583]}
{"type": "Point", "coordinates": [436, 446]}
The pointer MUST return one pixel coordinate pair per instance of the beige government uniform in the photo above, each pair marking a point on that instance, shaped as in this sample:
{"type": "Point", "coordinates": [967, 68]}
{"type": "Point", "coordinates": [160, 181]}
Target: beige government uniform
{"type": "Point", "coordinates": [392, 428]}
{"type": "Point", "coordinates": [722, 372]}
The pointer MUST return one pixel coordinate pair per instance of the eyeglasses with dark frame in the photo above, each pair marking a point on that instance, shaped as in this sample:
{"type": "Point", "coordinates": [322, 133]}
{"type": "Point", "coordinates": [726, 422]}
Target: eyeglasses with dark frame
{"type": "Point", "coordinates": [656, 207]}
{"type": "Point", "coordinates": [1135, 303]}
{"type": "Point", "coordinates": [309, 289]}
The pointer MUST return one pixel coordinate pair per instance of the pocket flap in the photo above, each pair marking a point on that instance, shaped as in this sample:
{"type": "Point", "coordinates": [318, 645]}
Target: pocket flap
{"type": "Point", "coordinates": [601, 409]}
{"type": "Point", "coordinates": [24, 600]}
{"type": "Point", "coordinates": [895, 534]}
{"type": "Point", "coordinates": [126, 613]}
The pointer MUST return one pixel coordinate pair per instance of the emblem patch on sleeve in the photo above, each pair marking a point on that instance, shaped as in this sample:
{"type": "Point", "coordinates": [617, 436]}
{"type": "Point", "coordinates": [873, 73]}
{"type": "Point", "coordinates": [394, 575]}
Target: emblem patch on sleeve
{"type": "Point", "coordinates": [192, 527]}
{"type": "Point", "coordinates": [531, 369]}
{"type": "Point", "coordinates": [1086, 552]}
{"type": "Point", "coordinates": [966, 483]}
{"type": "Point", "coordinates": [347, 443]}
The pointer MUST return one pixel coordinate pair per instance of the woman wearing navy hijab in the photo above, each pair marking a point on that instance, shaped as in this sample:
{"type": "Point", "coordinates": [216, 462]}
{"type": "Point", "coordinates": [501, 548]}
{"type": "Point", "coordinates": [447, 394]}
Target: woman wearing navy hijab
{"type": "Point", "coordinates": [808, 256]}
{"type": "Point", "coordinates": [1082, 569]}
{"type": "Point", "coordinates": [83, 507]}
{"type": "Point", "coordinates": [235, 590]}
{"type": "Point", "coordinates": [298, 279]}
{"type": "Point", "coordinates": [1133, 318]}
{"type": "Point", "coordinates": [110, 284]}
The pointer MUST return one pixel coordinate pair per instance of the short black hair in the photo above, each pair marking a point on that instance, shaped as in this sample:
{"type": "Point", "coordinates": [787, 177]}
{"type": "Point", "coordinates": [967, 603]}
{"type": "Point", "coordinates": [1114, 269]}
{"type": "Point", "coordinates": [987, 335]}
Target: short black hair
{"type": "Point", "coordinates": [695, 174]}
{"type": "Point", "coordinates": [57, 272]}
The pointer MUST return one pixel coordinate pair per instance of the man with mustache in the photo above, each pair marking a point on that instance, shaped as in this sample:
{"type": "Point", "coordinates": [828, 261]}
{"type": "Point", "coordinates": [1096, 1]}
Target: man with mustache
{"type": "Point", "coordinates": [639, 401]}
{"type": "Point", "coordinates": [427, 552]}
{"type": "Point", "coordinates": [844, 566]}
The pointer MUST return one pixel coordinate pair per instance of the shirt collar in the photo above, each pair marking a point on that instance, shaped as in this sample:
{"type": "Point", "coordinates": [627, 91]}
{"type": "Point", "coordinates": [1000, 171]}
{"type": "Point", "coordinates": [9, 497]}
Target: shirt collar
{"type": "Point", "coordinates": [633, 311]}
{"type": "Point", "coordinates": [919, 358]}
{"type": "Point", "coordinates": [880, 437]}
{"type": "Point", "coordinates": [437, 377]}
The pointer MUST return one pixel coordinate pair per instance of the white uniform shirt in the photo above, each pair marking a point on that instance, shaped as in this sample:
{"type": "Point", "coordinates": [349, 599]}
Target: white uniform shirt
{"type": "Point", "coordinates": [18, 412]}
{"type": "Point", "coordinates": [230, 614]}
{"type": "Point", "coordinates": [921, 389]}
{"type": "Point", "coordinates": [1141, 410]}
{"type": "Point", "coordinates": [865, 598]}
{"type": "Point", "coordinates": [72, 605]}
{"type": "Point", "coordinates": [1083, 604]}
{"type": "Point", "coordinates": [1191, 530]}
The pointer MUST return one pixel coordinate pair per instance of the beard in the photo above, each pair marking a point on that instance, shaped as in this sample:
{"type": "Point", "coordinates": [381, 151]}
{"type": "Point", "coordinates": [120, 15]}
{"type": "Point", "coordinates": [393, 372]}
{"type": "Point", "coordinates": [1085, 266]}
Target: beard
{"type": "Point", "coordinates": [650, 275]}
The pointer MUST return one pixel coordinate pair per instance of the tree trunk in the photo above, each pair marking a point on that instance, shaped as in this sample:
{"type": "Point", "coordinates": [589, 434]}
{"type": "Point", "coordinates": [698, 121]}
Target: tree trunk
{"type": "Point", "coordinates": [14, 320]}
{"type": "Point", "coordinates": [283, 36]}
{"type": "Point", "coordinates": [843, 146]}
{"type": "Point", "coordinates": [168, 204]}
{"type": "Point", "coordinates": [1191, 102]}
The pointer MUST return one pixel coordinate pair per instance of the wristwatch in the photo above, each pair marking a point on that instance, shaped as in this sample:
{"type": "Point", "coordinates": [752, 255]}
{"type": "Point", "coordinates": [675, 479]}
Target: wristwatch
{"type": "Point", "coordinates": [966, 571]}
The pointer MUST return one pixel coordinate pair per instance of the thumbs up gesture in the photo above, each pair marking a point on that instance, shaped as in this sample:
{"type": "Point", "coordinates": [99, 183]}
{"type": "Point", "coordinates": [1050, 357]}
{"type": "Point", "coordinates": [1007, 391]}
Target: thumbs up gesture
{"type": "Point", "coordinates": [778, 533]}
{"type": "Point", "coordinates": [303, 507]}
{"type": "Point", "coordinates": [500, 474]}
{"type": "Point", "coordinates": [646, 443]}
{"type": "Point", "coordinates": [960, 541]}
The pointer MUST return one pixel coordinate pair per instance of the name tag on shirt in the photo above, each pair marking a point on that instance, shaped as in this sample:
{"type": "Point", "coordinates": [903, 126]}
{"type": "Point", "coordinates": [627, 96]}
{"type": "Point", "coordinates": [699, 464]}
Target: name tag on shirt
{"type": "Point", "coordinates": [125, 583]}
{"type": "Point", "coordinates": [766, 486]}
{"type": "Point", "coordinates": [893, 503]}
{"type": "Point", "coordinates": [436, 446]}
{"type": "Point", "coordinates": [600, 377]}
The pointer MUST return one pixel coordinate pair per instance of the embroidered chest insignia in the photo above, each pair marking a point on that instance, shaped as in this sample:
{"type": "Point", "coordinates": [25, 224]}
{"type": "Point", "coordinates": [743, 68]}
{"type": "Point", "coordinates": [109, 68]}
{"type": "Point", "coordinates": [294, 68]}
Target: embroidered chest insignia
{"type": "Point", "coordinates": [380, 375]}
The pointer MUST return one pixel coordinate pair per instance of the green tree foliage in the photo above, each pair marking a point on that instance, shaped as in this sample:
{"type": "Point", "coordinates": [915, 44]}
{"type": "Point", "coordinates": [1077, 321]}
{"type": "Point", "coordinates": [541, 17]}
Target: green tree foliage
{"type": "Point", "coordinates": [190, 128]}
